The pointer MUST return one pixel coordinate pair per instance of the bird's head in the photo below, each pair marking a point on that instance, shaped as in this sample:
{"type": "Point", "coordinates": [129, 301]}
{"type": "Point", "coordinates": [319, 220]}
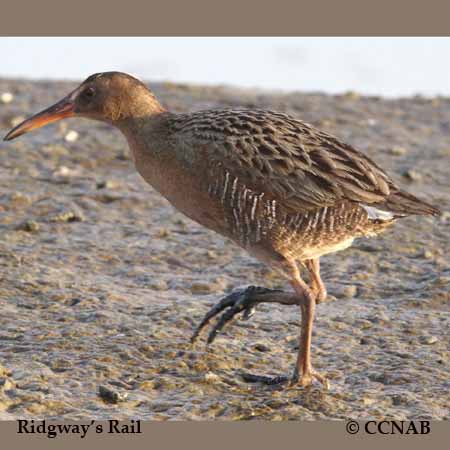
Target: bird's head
{"type": "Point", "coordinates": [109, 96]}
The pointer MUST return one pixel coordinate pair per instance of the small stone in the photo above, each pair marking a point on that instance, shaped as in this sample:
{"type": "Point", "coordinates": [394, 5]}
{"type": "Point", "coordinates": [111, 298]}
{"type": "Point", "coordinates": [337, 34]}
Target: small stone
{"type": "Point", "coordinates": [68, 216]}
{"type": "Point", "coordinates": [4, 371]}
{"type": "Point", "coordinates": [147, 385]}
{"type": "Point", "coordinates": [65, 171]}
{"type": "Point", "coordinates": [5, 384]}
{"type": "Point", "coordinates": [350, 291]}
{"type": "Point", "coordinates": [55, 150]}
{"type": "Point", "coordinates": [363, 324]}
{"type": "Point", "coordinates": [201, 288]}
{"type": "Point", "coordinates": [159, 285]}
{"type": "Point", "coordinates": [16, 120]}
{"type": "Point", "coordinates": [163, 233]}
{"type": "Point", "coordinates": [111, 395]}
{"type": "Point", "coordinates": [59, 365]}
{"type": "Point", "coordinates": [107, 184]}
{"type": "Point", "coordinates": [413, 175]}
{"type": "Point", "coordinates": [211, 254]}
{"type": "Point", "coordinates": [71, 136]}
{"type": "Point", "coordinates": [6, 97]}
{"type": "Point", "coordinates": [30, 226]}
{"type": "Point", "coordinates": [428, 340]}
{"type": "Point", "coordinates": [379, 318]}
{"type": "Point", "coordinates": [17, 198]}
{"type": "Point", "coordinates": [367, 401]}
{"type": "Point", "coordinates": [212, 378]}
{"type": "Point", "coordinates": [403, 398]}
{"type": "Point", "coordinates": [261, 347]}
{"type": "Point", "coordinates": [398, 151]}
{"type": "Point", "coordinates": [427, 254]}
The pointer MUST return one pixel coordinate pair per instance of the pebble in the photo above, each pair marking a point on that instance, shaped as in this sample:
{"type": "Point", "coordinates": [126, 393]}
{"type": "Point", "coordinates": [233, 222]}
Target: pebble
{"type": "Point", "coordinates": [68, 216]}
{"type": "Point", "coordinates": [366, 341]}
{"type": "Point", "coordinates": [212, 378]}
{"type": "Point", "coordinates": [16, 120]}
{"type": "Point", "coordinates": [4, 371]}
{"type": "Point", "coordinates": [413, 175]}
{"type": "Point", "coordinates": [6, 97]}
{"type": "Point", "coordinates": [398, 151]}
{"type": "Point", "coordinates": [17, 198]}
{"type": "Point", "coordinates": [159, 285]}
{"type": "Point", "coordinates": [402, 398]}
{"type": "Point", "coordinates": [350, 291]}
{"type": "Point", "coordinates": [111, 395]}
{"type": "Point", "coordinates": [428, 340]}
{"type": "Point", "coordinates": [147, 385]}
{"type": "Point", "coordinates": [71, 136]}
{"type": "Point", "coordinates": [261, 347]}
{"type": "Point", "coordinates": [55, 150]}
{"type": "Point", "coordinates": [5, 384]}
{"type": "Point", "coordinates": [367, 401]}
{"type": "Point", "coordinates": [107, 184]}
{"type": "Point", "coordinates": [65, 171]}
{"type": "Point", "coordinates": [30, 226]}
{"type": "Point", "coordinates": [202, 288]}
{"type": "Point", "coordinates": [379, 318]}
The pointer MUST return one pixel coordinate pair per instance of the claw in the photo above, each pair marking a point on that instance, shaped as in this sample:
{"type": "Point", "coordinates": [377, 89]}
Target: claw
{"type": "Point", "coordinates": [226, 317]}
{"type": "Point", "coordinates": [226, 302]}
{"type": "Point", "coordinates": [270, 381]}
{"type": "Point", "coordinates": [237, 301]}
{"type": "Point", "coordinates": [248, 313]}
{"type": "Point", "coordinates": [304, 381]}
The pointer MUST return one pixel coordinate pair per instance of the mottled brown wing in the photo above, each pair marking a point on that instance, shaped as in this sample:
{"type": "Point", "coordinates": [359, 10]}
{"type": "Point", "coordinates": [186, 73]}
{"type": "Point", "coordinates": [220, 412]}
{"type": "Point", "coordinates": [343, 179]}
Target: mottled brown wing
{"type": "Point", "coordinates": [291, 161]}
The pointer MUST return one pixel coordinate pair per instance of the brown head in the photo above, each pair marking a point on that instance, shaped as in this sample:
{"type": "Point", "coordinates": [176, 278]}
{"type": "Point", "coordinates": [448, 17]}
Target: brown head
{"type": "Point", "coordinates": [112, 97]}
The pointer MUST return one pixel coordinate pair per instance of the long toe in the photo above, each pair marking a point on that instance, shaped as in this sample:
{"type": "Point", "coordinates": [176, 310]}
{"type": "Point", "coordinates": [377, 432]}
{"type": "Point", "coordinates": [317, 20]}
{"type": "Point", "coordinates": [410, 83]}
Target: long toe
{"type": "Point", "coordinates": [240, 301]}
{"type": "Point", "coordinates": [271, 381]}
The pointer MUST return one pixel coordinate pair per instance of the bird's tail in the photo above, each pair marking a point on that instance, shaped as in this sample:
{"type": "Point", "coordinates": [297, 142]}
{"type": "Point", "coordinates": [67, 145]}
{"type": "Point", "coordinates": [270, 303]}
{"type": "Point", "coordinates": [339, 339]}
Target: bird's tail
{"type": "Point", "coordinates": [401, 203]}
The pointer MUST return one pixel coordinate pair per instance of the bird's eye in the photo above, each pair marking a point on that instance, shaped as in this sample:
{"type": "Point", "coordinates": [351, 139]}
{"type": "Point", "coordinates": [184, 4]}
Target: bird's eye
{"type": "Point", "coordinates": [89, 93]}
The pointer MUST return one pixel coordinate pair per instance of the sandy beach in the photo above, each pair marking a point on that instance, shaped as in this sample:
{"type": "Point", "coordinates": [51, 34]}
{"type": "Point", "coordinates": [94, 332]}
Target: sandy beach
{"type": "Point", "coordinates": [102, 282]}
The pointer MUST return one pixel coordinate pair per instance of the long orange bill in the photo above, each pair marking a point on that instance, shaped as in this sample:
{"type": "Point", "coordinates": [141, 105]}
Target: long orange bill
{"type": "Point", "coordinates": [62, 109]}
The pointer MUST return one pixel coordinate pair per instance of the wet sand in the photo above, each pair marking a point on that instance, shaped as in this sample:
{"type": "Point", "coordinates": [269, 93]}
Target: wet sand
{"type": "Point", "coordinates": [102, 282]}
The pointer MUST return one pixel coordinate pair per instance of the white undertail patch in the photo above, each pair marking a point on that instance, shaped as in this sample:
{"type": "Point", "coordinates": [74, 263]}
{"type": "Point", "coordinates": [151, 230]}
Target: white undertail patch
{"type": "Point", "coordinates": [377, 214]}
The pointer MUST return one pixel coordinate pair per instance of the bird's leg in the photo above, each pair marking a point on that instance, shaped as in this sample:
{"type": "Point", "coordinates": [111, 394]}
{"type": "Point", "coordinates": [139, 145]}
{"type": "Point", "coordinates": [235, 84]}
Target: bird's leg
{"type": "Point", "coordinates": [304, 373]}
{"type": "Point", "coordinates": [243, 300]}
{"type": "Point", "coordinates": [317, 285]}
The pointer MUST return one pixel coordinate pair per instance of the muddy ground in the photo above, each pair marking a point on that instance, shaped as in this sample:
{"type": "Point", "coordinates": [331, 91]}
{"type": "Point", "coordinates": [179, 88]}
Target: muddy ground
{"type": "Point", "coordinates": [102, 281]}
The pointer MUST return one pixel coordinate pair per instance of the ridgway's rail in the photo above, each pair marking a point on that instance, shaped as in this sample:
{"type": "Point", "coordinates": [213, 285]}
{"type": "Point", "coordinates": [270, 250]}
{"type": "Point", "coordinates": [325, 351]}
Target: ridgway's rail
{"type": "Point", "coordinates": [276, 186]}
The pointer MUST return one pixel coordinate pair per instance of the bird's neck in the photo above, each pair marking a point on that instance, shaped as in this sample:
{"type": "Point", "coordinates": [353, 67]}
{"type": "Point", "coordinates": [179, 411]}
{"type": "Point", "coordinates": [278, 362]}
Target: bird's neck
{"type": "Point", "coordinates": [147, 137]}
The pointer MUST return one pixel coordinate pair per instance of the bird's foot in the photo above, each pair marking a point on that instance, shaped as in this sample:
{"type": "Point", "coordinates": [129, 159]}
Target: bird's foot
{"type": "Point", "coordinates": [270, 381]}
{"type": "Point", "coordinates": [305, 380]}
{"type": "Point", "coordinates": [243, 300]}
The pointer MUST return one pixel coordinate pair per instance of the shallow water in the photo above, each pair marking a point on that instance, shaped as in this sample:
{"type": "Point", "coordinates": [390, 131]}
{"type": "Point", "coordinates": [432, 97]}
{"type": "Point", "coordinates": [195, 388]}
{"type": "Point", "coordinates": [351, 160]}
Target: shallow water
{"type": "Point", "coordinates": [102, 282]}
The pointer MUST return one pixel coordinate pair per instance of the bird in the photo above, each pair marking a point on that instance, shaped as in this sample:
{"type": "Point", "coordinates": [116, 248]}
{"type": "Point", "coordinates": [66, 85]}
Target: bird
{"type": "Point", "coordinates": [283, 190]}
